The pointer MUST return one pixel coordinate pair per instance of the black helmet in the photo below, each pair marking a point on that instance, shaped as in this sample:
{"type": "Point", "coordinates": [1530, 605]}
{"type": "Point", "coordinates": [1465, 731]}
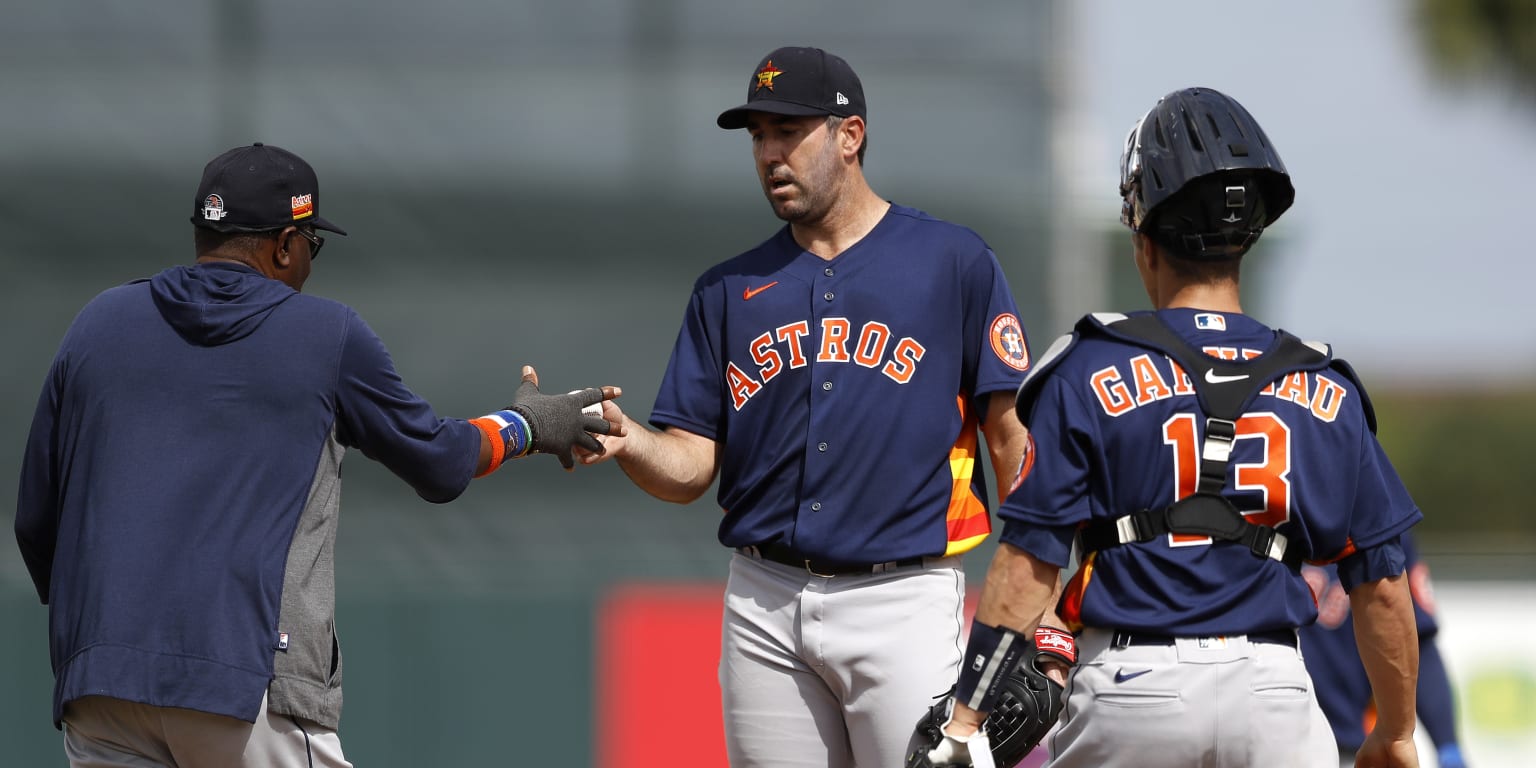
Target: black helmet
{"type": "Point", "coordinates": [1200, 177]}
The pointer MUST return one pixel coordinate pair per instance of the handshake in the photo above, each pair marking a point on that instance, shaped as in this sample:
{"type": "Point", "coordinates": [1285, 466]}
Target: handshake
{"type": "Point", "coordinates": [536, 422]}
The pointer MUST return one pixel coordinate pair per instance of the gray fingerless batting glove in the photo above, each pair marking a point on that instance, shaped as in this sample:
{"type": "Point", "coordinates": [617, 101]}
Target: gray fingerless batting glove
{"type": "Point", "coordinates": [557, 423]}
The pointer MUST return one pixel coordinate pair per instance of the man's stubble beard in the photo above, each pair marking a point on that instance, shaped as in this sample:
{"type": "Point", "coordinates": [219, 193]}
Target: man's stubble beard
{"type": "Point", "coordinates": [811, 205]}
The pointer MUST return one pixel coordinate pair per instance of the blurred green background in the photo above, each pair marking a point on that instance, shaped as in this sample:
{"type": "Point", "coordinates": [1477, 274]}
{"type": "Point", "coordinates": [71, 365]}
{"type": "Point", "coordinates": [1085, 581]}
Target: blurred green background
{"type": "Point", "coordinates": [540, 182]}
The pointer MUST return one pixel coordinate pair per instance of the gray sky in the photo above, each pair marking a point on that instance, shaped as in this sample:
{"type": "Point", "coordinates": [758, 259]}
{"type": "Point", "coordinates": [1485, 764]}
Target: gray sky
{"type": "Point", "coordinates": [1405, 246]}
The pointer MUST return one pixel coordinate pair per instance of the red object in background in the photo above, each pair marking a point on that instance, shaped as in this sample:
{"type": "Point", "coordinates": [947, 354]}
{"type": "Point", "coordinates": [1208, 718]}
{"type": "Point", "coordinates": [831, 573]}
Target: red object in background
{"type": "Point", "coordinates": [658, 659]}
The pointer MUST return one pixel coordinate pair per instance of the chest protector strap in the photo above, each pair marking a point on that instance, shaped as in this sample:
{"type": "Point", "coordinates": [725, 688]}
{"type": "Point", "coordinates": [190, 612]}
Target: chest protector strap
{"type": "Point", "coordinates": [1225, 390]}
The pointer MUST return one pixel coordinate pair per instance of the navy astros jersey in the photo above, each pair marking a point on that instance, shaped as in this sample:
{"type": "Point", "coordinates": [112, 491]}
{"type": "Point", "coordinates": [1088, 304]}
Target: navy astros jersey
{"type": "Point", "coordinates": [844, 392]}
{"type": "Point", "coordinates": [1116, 428]}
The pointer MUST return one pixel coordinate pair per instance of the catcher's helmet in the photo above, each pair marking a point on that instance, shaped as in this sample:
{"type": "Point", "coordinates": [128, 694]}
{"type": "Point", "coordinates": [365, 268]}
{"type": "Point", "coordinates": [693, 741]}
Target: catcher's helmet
{"type": "Point", "coordinates": [1200, 177]}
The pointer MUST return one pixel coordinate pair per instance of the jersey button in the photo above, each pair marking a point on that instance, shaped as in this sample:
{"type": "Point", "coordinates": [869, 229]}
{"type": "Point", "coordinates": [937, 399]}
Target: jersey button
{"type": "Point", "coordinates": [827, 295]}
{"type": "Point", "coordinates": [826, 385]}
{"type": "Point", "coordinates": [828, 271]}
{"type": "Point", "coordinates": [815, 506]}
{"type": "Point", "coordinates": [821, 447]}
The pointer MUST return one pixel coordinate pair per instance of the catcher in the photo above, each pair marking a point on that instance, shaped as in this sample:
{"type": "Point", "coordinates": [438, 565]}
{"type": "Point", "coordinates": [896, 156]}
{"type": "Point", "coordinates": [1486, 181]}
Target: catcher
{"type": "Point", "coordinates": [1194, 457]}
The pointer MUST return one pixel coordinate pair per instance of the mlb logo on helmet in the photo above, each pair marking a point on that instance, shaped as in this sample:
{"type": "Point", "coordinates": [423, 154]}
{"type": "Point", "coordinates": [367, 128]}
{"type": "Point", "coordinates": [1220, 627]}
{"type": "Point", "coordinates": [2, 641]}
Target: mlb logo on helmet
{"type": "Point", "coordinates": [1207, 321]}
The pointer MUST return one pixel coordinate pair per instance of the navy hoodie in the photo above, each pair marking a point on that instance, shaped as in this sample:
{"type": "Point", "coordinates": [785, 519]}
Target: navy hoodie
{"type": "Point", "coordinates": [181, 484]}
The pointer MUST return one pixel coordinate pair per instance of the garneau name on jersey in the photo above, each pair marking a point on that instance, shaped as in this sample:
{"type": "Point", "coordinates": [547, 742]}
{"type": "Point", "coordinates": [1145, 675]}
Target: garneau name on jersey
{"type": "Point", "coordinates": [875, 346]}
{"type": "Point", "coordinates": [1119, 394]}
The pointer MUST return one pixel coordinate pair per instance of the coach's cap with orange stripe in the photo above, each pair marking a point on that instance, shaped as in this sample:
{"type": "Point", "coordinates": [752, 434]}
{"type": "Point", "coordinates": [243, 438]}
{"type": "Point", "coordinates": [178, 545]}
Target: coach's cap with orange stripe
{"type": "Point", "coordinates": [799, 81]}
{"type": "Point", "coordinates": [258, 188]}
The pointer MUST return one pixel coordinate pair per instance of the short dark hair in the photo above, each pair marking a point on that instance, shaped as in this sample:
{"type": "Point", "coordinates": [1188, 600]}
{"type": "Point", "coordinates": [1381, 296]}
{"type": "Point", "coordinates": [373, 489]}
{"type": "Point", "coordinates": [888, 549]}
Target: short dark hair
{"type": "Point", "coordinates": [833, 121]}
{"type": "Point", "coordinates": [1203, 270]}
{"type": "Point", "coordinates": [207, 241]}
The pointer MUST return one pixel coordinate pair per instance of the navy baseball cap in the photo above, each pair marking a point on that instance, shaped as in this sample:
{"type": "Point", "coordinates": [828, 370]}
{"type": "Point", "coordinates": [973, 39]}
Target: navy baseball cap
{"type": "Point", "coordinates": [799, 81]}
{"type": "Point", "coordinates": [258, 188]}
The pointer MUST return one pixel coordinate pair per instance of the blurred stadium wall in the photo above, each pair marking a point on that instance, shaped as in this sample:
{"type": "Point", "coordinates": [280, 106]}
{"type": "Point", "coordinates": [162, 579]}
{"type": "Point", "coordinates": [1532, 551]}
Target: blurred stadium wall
{"type": "Point", "coordinates": [525, 182]}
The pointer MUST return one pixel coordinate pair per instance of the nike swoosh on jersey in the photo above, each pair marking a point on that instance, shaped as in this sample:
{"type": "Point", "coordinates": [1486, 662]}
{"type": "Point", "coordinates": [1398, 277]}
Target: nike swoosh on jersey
{"type": "Point", "coordinates": [1214, 378]}
{"type": "Point", "coordinates": [1123, 676]}
{"type": "Point", "coordinates": [747, 294]}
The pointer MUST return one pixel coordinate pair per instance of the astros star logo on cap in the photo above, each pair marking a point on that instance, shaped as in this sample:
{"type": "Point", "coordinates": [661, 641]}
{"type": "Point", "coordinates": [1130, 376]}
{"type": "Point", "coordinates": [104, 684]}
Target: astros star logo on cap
{"type": "Point", "coordinates": [766, 75]}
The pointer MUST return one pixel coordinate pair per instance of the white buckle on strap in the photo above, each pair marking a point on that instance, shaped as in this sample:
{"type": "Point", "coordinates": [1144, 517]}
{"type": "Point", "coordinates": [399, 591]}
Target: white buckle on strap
{"type": "Point", "coordinates": [1277, 547]}
{"type": "Point", "coordinates": [1217, 448]}
{"type": "Point", "coordinates": [1125, 529]}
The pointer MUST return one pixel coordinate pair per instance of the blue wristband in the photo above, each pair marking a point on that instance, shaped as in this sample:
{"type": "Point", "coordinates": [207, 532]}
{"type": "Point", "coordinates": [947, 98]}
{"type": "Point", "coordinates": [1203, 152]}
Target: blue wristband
{"type": "Point", "coordinates": [514, 433]}
{"type": "Point", "coordinates": [990, 655]}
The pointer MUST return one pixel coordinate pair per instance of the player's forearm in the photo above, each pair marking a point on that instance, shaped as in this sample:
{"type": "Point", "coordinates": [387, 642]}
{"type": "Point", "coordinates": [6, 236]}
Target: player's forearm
{"type": "Point", "coordinates": [1007, 441]}
{"type": "Point", "coordinates": [1018, 591]}
{"type": "Point", "coordinates": [1049, 618]}
{"type": "Point", "coordinates": [1435, 702]}
{"type": "Point", "coordinates": [1389, 648]}
{"type": "Point", "coordinates": [672, 466]}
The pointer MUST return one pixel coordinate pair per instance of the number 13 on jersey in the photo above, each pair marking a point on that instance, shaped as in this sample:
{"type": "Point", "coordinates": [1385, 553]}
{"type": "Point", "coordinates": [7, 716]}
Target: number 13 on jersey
{"type": "Point", "coordinates": [1270, 476]}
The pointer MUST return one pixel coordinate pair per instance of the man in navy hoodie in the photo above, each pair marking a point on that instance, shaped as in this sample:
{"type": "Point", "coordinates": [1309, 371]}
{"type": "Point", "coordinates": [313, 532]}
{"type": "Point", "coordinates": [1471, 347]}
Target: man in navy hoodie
{"type": "Point", "coordinates": [179, 493]}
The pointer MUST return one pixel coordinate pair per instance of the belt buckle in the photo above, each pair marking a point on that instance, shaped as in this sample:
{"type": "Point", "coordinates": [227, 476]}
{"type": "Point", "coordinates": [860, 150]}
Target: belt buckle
{"type": "Point", "coordinates": [812, 571]}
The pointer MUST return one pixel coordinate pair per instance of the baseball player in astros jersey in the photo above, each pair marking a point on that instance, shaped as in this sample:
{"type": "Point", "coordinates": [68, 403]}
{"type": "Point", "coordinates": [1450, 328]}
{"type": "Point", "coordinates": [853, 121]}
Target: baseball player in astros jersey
{"type": "Point", "coordinates": [1197, 457]}
{"type": "Point", "coordinates": [835, 377]}
{"type": "Point", "coordinates": [1344, 691]}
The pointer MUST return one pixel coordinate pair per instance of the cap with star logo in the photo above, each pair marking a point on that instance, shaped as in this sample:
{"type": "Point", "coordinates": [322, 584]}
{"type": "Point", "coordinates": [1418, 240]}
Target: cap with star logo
{"type": "Point", "coordinates": [799, 81]}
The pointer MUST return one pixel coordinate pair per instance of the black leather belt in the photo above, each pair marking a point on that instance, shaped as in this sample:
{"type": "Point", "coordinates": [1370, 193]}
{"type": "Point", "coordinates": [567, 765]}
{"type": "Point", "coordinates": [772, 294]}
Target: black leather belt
{"type": "Point", "coordinates": [783, 555]}
{"type": "Point", "coordinates": [1121, 638]}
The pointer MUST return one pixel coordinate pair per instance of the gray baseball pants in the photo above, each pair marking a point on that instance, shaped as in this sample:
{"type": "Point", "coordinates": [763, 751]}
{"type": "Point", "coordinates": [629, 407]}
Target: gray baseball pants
{"type": "Point", "coordinates": [1215, 702]}
{"type": "Point", "coordinates": [101, 732]}
{"type": "Point", "coordinates": [835, 671]}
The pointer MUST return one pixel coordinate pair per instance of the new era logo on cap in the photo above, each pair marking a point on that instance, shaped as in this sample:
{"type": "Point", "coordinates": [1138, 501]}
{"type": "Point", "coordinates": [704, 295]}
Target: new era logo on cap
{"type": "Point", "coordinates": [799, 81]}
{"type": "Point", "coordinates": [258, 188]}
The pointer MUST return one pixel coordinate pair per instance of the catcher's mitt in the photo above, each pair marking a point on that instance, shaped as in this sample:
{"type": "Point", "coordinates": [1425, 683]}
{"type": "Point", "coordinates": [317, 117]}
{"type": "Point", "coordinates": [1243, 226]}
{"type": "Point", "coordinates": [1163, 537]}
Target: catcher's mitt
{"type": "Point", "coordinates": [1027, 706]}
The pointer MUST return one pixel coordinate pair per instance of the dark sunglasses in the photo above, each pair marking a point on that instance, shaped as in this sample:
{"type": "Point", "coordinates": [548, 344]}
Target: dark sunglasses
{"type": "Point", "coordinates": [315, 242]}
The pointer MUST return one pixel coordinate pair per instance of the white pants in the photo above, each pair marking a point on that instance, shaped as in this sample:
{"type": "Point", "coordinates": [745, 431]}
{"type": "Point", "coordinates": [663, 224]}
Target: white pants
{"type": "Point", "coordinates": [101, 732]}
{"type": "Point", "coordinates": [1221, 703]}
{"type": "Point", "coordinates": [835, 671]}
